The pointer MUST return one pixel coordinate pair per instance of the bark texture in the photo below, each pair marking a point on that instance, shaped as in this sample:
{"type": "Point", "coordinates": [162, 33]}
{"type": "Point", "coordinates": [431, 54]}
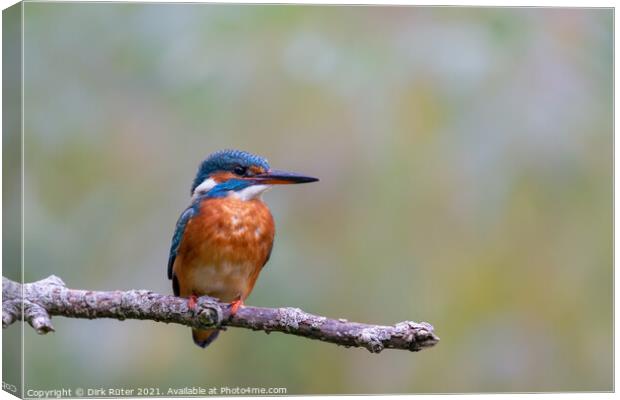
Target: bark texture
{"type": "Point", "coordinates": [37, 302]}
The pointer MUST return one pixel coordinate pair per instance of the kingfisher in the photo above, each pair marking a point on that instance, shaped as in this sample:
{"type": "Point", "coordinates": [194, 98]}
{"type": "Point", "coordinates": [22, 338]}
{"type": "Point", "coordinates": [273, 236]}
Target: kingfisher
{"type": "Point", "coordinates": [224, 238]}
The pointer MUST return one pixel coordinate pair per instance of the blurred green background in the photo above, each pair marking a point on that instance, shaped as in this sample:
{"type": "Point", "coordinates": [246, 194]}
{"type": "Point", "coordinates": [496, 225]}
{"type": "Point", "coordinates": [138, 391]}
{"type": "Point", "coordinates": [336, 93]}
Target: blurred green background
{"type": "Point", "coordinates": [465, 157]}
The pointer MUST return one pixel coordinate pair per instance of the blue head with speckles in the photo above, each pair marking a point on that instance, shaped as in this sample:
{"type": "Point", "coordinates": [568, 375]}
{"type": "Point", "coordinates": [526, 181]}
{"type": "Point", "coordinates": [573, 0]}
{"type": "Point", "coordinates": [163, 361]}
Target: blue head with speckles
{"type": "Point", "coordinates": [235, 171]}
{"type": "Point", "coordinates": [237, 162]}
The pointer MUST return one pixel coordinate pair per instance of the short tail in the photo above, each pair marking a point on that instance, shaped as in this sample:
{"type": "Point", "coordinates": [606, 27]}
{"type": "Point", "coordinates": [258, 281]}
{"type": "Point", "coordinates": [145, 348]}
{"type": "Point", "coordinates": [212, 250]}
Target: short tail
{"type": "Point", "coordinates": [204, 337]}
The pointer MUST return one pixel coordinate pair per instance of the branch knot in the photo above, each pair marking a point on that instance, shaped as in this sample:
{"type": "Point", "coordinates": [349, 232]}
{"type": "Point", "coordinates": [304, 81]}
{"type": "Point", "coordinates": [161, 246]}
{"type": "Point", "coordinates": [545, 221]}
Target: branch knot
{"type": "Point", "coordinates": [208, 312]}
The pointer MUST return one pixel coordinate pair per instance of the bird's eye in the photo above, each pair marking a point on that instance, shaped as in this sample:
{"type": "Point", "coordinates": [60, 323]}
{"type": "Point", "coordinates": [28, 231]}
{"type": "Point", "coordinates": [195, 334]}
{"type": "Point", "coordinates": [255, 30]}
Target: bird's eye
{"type": "Point", "coordinates": [241, 171]}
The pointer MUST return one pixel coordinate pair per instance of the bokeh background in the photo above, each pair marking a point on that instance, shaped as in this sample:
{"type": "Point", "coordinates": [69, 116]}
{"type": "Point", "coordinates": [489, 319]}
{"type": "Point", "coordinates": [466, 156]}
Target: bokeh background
{"type": "Point", "coordinates": [465, 157]}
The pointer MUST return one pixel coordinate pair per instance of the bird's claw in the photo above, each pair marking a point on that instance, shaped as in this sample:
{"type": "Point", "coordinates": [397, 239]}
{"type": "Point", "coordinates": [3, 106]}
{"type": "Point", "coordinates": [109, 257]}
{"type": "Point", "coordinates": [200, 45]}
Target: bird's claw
{"type": "Point", "coordinates": [192, 302]}
{"type": "Point", "coordinates": [235, 305]}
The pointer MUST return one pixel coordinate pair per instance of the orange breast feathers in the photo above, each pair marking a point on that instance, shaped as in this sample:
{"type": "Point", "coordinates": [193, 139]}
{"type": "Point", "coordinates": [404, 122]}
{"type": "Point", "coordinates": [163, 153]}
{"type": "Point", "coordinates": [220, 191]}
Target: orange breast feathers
{"type": "Point", "coordinates": [224, 248]}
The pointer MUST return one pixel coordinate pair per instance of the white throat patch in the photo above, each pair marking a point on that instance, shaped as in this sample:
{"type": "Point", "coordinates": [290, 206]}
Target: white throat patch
{"type": "Point", "coordinates": [250, 192]}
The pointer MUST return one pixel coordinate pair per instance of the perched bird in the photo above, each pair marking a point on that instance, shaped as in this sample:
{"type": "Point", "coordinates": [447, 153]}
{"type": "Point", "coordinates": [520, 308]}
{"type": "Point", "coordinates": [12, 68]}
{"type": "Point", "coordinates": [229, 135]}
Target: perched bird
{"type": "Point", "coordinates": [224, 238]}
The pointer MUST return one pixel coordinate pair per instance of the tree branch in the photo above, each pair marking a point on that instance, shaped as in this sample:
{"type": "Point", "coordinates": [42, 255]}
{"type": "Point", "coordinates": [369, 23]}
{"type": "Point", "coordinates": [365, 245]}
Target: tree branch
{"type": "Point", "coordinates": [50, 297]}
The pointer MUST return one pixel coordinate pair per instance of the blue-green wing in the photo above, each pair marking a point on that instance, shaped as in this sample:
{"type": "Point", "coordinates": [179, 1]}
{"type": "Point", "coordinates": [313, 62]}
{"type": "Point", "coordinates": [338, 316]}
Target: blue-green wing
{"type": "Point", "coordinates": [177, 237]}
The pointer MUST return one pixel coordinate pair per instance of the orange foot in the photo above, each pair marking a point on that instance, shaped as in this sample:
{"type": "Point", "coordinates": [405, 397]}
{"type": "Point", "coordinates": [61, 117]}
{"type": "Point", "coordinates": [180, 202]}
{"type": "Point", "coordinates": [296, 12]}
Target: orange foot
{"type": "Point", "coordinates": [192, 302]}
{"type": "Point", "coordinates": [235, 305]}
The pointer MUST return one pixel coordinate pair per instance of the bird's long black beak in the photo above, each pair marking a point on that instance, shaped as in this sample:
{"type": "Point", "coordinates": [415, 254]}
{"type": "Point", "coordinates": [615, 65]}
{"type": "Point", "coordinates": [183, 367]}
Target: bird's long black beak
{"type": "Point", "coordinates": [275, 177]}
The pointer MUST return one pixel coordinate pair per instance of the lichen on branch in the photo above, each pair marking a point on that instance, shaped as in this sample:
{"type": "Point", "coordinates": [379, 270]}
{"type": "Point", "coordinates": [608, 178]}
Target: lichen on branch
{"type": "Point", "coordinates": [37, 302]}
